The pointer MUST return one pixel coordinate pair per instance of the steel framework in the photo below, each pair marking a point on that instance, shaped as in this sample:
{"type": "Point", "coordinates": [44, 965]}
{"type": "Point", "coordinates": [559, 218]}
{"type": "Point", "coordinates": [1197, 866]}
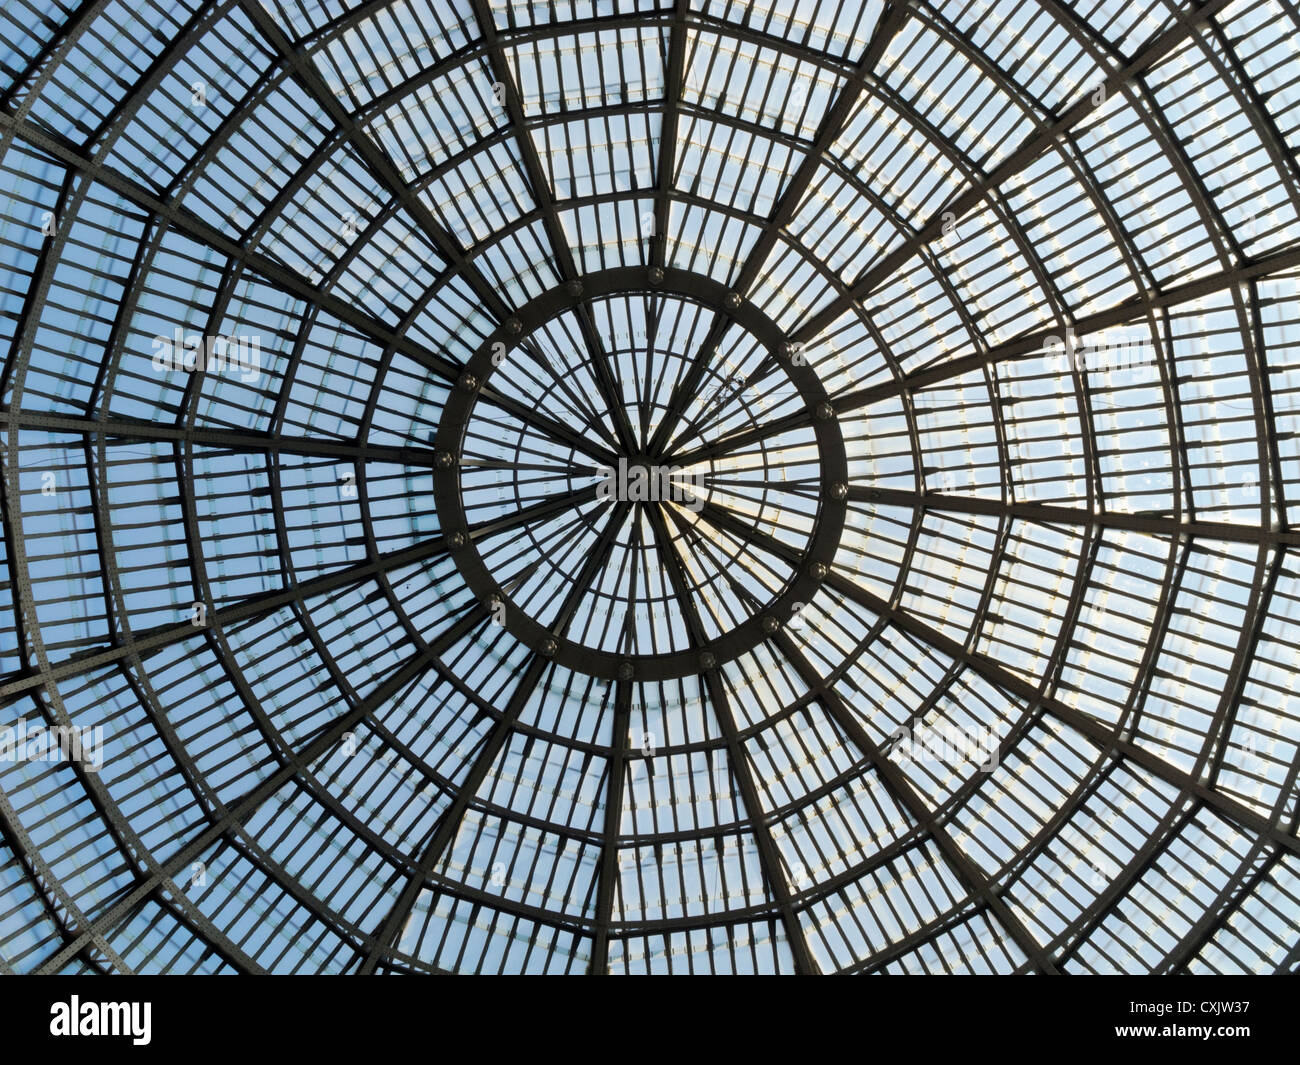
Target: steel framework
{"type": "Point", "coordinates": [973, 328]}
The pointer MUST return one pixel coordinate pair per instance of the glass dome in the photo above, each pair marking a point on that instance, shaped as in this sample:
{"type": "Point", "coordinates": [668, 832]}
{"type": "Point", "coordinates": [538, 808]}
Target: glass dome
{"type": "Point", "coordinates": [650, 487]}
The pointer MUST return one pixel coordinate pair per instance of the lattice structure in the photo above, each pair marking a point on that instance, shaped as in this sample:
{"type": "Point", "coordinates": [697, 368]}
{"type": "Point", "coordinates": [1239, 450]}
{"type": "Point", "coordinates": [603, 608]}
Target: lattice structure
{"type": "Point", "coordinates": [953, 349]}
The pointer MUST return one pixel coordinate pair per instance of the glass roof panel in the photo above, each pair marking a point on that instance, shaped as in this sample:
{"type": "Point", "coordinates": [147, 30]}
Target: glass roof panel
{"type": "Point", "coordinates": [649, 486]}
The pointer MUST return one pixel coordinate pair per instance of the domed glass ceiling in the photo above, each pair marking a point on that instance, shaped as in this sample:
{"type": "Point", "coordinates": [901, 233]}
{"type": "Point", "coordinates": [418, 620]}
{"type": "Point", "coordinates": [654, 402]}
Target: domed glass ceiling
{"type": "Point", "coordinates": [672, 487]}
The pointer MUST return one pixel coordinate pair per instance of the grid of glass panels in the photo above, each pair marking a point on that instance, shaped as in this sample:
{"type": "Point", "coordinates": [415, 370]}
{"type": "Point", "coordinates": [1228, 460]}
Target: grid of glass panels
{"type": "Point", "coordinates": [1040, 715]}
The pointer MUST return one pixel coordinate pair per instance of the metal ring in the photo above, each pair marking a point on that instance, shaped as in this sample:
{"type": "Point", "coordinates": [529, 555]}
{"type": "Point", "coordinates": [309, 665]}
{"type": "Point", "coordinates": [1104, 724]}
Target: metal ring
{"type": "Point", "coordinates": [828, 523]}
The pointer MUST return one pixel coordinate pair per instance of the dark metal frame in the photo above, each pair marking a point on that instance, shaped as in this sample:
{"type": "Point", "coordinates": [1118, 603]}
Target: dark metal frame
{"type": "Point", "coordinates": [822, 542]}
{"type": "Point", "coordinates": [88, 941]}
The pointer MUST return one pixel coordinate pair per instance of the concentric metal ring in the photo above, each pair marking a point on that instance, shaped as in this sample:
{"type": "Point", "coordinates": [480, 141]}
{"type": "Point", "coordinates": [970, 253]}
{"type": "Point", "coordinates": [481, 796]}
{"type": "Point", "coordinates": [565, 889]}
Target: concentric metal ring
{"type": "Point", "coordinates": [550, 640]}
